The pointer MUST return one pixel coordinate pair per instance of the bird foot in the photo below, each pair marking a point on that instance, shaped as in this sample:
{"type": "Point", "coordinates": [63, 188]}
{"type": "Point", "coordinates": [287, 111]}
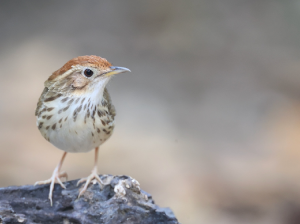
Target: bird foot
{"type": "Point", "coordinates": [54, 179]}
{"type": "Point", "coordinates": [93, 177]}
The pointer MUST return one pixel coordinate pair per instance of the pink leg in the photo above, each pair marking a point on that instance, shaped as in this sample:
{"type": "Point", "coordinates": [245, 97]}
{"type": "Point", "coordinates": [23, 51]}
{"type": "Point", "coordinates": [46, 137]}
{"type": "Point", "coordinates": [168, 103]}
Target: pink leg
{"type": "Point", "coordinates": [93, 175]}
{"type": "Point", "coordinates": [56, 175]}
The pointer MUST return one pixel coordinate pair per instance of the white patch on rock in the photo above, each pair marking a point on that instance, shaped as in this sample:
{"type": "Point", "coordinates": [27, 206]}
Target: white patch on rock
{"type": "Point", "coordinates": [119, 189]}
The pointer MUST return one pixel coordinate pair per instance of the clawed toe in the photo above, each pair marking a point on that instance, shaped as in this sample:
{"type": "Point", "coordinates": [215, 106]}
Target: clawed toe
{"type": "Point", "coordinates": [88, 180]}
{"type": "Point", "coordinates": [54, 179]}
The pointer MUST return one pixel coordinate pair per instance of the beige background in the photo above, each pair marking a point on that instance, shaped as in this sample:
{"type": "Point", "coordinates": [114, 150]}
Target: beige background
{"type": "Point", "coordinates": [208, 121]}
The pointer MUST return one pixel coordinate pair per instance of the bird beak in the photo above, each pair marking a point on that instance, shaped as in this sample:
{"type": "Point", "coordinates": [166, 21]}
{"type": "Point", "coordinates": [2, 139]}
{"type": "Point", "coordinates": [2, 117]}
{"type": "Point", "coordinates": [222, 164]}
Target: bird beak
{"type": "Point", "coordinates": [117, 70]}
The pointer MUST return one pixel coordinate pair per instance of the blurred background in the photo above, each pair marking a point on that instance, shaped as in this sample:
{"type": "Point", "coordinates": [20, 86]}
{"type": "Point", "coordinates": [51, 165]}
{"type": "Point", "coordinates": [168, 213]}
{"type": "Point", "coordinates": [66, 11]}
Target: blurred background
{"type": "Point", "coordinates": [208, 121]}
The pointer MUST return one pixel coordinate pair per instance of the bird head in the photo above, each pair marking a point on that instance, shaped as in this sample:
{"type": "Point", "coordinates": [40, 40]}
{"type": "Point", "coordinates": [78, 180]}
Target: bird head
{"type": "Point", "coordinates": [83, 75]}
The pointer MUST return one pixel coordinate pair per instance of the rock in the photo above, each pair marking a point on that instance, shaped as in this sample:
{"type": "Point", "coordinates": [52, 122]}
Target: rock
{"type": "Point", "coordinates": [120, 201]}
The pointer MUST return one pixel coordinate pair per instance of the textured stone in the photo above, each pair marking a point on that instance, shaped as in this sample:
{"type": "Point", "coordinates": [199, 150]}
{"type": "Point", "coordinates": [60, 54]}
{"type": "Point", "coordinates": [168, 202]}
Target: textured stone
{"type": "Point", "coordinates": [119, 201]}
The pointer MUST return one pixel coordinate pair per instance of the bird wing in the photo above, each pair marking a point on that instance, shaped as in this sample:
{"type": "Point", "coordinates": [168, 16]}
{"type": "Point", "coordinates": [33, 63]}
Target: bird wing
{"type": "Point", "coordinates": [110, 106]}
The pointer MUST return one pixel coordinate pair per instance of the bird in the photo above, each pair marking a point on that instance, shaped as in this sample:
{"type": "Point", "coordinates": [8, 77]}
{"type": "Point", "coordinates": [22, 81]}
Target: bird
{"type": "Point", "coordinates": [75, 112]}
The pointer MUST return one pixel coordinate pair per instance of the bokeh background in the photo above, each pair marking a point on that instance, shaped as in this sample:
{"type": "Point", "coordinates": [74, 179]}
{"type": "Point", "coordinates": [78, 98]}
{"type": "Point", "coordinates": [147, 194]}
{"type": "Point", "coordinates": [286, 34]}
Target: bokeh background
{"type": "Point", "coordinates": [208, 121]}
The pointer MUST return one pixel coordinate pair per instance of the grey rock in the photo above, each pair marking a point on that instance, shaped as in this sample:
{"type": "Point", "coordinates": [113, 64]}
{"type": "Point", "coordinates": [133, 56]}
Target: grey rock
{"type": "Point", "coordinates": [119, 201]}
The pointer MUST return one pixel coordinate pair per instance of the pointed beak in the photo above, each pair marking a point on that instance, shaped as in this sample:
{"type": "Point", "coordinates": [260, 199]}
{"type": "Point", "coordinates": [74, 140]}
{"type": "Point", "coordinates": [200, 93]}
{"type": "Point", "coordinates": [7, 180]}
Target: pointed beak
{"type": "Point", "coordinates": [117, 70]}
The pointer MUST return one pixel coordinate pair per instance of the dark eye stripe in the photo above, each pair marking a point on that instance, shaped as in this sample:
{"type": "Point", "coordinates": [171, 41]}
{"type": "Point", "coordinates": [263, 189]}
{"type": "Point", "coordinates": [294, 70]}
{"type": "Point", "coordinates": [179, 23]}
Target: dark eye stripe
{"type": "Point", "coordinates": [88, 72]}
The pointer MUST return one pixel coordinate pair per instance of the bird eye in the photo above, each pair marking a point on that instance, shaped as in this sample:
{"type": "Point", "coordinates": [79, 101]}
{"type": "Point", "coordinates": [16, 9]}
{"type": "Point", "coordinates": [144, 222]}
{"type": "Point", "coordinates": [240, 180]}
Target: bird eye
{"type": "Point", "coordinates": [88, 72]}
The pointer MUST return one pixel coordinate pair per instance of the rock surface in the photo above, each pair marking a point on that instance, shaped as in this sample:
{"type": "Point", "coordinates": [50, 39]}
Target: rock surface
{"type": "Point", "coordinates": [120, 201]}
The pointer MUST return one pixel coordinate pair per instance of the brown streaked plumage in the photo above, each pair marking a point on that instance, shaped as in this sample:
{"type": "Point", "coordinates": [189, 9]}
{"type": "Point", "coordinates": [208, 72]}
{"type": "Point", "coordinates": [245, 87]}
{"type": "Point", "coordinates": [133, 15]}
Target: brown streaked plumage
{"type": "Point", "coordinates": [77, 90]}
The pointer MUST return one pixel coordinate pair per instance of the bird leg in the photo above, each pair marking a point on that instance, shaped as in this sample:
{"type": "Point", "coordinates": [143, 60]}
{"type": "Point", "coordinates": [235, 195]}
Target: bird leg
{"type": "Point", "coordinates": [92, 176]}
{"type": "Point", "coordinates": [55, 178]}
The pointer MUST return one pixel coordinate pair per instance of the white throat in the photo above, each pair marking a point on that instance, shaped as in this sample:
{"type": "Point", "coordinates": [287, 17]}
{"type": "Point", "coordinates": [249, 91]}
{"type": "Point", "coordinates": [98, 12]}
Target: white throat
{"type": "Point", "coordinates": [96, 93]}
